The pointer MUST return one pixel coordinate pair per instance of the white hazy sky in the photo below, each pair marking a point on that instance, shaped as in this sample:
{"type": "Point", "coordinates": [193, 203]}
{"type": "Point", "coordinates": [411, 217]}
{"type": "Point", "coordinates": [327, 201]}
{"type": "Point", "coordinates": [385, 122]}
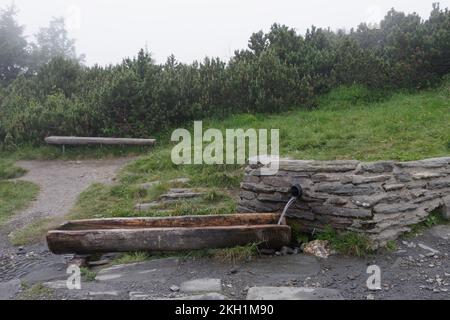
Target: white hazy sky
{"type": "Point", "coordinates": [108, 30]}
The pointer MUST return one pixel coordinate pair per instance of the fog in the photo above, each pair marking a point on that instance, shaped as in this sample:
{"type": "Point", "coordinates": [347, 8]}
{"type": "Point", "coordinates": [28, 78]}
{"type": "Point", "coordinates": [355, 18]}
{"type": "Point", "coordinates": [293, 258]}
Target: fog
{"type": "Point", "coordinates": [108, 30]}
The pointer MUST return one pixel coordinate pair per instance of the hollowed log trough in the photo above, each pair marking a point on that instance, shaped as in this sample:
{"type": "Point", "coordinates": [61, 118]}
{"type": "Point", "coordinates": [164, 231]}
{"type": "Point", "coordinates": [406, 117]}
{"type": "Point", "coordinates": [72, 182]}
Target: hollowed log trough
{"type": "Point", "coordinates": [168, 234]}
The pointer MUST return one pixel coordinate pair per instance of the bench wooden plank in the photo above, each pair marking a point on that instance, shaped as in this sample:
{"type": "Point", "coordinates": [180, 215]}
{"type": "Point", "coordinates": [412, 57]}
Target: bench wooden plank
{"type": "Point", "coordinates": [91, 140]}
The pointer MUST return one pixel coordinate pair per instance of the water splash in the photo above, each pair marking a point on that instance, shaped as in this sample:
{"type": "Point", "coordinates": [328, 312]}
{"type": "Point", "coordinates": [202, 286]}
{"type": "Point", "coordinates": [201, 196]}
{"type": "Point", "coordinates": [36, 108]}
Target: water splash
{"type": "Point", "coordinates": [286, 208]}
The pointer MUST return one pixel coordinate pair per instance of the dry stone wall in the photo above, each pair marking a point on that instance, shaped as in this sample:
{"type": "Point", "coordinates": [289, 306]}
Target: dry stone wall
{"type": "Point", "coordinates": [381, 199]}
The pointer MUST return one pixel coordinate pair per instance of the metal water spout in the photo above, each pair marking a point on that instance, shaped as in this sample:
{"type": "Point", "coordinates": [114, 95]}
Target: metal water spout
{"type": "Point", "coordinates": [296, 193]}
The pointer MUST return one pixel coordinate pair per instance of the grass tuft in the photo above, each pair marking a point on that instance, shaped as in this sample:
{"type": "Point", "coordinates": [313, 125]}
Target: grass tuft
{"type": "Point", "coordinates": [131, 257]}
{"type": "Point", "coordinates": [35, 292]}
{"type": "Point", "coordinates": [347, 243]}
{"type": "Point", "coordinates": [87, 274]}
{"type": "Point", "coordinates": [236, 254]}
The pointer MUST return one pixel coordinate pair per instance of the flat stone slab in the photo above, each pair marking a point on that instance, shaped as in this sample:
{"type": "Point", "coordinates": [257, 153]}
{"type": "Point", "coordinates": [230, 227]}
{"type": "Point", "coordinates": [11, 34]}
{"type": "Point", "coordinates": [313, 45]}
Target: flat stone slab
{"type": "Point", "coordinates": [151, 184]}
{"type": "Point", "coordinates": [292, 293]}
{"type": "Point", "coordinates": [441, 231]}
{"type": "Point", "coordinates": [202, 285]}
{"type": "Point", "coordinates": [206, 296]}
{"type": "Point", "coordinates": [282, 268]}
{"type": "Point", "coordinates": [8, 290]}
{"type": "Point", "coordinates": [56, 271]}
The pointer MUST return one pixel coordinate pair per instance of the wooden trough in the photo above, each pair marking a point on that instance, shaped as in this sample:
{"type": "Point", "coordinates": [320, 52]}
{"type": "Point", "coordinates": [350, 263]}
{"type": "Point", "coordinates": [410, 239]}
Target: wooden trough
{"type": "Point", "coordinates": [168, 234]}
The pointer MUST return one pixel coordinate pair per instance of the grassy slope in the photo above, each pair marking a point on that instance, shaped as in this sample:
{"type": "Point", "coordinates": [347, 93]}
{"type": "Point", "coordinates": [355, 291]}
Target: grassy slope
{"type": "Point", "coordinates": [402, 127]}
{"type": "Point", "coordinates": [347, 125]}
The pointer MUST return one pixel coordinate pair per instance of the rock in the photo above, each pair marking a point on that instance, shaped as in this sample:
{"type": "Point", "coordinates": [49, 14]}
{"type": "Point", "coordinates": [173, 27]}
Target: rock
{"type": "Point", "coordinates": [269, 252]}
{"type": "Point", "coordinates": [336, 201]}
{"type": "Point", "coordinates": [371, 201]}
{"type": "Point", "coordinates": [445, 210]}
{"type": "Point", "coordinates": [341, 212]}
{"type": "Point", "coordinates": [409, 244]}
{"type": "Point", "coordinates": [426, 175]}
{"type": "Point", "coordinates": [394, 208]}
{"type": "Point", "coordinates": [147, 206]}
{"type": "Point", "coordinates": [8, 290]}
{"type": "Point", "coordinates": [108, 277]}
{"type": "Point", "coordinates": [318, 248]}
{"type": "Point", "coordinates": [286, 250]}
{"type": "Point", "coordinates": [202, 285]}
{"type": "Point", "coordinates": [292, 293]}
{"type": "Point", "coordinates": [149, 185]}
{"type": "Point", "coordinates": [441, 231]}
{"type": "Point", "coordinates": [377, 167]}
{"type": "Point", "coordinates": [79, 261]}
{"type": "Point", "coordinates": [176, 194]}
{"type": "Point", "coordinates": [174, 288]}
{"type": "Point", "coordinates": [427, 163]}
{"type": "Point", "coordinates": [439, 184]}
{"type": "Point", "coordinates": [139, 296]}
{"type": "Point", "coordinates": [428, 248]}
{"type": "Point", "coordinates": [98, 263]}
{"type": "Point", "coordinates": [318, 166]}
{"type": "Point", "coordinates": [370, 297]}
{"type": "Point", "coordinates": [346, 189]}
{"type": "Point", "coordinates": [393, 187]}
{"type": "Point", "coordinates": [371, 179]}
{"type": "Point", "coordinates": [204, 297]}
{"type": "Point", "coordinates": [233, 271]}
{"type": "Point", "coordinates": [103, 293]}
{"type": "Point", "coordinates": [55, 285]}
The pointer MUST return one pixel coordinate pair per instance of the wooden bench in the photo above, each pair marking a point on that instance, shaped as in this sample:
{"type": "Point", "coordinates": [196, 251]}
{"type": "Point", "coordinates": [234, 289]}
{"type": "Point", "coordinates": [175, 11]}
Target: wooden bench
{"type": "Point", "coordinates": [63, 141]}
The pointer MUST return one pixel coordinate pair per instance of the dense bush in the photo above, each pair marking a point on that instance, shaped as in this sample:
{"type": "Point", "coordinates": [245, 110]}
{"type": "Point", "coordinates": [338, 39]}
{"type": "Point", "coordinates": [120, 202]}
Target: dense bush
{"type": "Point", "coordinates": [279, 70]}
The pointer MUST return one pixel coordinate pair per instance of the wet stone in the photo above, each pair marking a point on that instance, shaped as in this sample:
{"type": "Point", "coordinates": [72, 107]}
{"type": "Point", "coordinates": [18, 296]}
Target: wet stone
{"type": "Point", "coordinates": [292, 293]}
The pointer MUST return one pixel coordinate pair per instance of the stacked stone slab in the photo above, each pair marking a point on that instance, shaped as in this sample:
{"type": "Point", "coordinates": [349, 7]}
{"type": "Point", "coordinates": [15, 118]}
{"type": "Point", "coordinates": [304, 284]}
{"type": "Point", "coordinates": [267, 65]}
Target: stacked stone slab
{"type": "Point", "coordinates": [381, 199]}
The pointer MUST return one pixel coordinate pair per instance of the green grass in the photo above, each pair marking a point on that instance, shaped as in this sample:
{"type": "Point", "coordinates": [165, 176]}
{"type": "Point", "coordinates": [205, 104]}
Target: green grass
{"type": "Point", "coordinates": [236, 254]}
{"type": "Point", "coordinates": [45, 152]}
{"type": "Point", "coordinates": [346, 243]}
{"type": "Point", "coordinates": [14, 196]}
{"type": "Point", "coordinates": [88, 275]}
{"type": "Point", "coordinates": [35, 292]}
{"type": "Point", "coordinates": [226, 255]}
{"type": "Point", "coordinates": [9, 171]}
{"type": "Point", "coordinates": [34, 232]}
{"type": "Point", "coordinates": [403, 127]}
{"type": "Point", "coordinates": [132, 257]}
{"type": "Point", "coordinates": [391, 245]}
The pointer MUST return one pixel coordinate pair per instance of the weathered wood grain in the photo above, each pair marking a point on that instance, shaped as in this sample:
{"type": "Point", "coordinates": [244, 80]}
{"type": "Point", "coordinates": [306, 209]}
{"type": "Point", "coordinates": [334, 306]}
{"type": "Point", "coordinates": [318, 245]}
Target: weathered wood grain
{"type": "Point", "coordinates": [173, 222]}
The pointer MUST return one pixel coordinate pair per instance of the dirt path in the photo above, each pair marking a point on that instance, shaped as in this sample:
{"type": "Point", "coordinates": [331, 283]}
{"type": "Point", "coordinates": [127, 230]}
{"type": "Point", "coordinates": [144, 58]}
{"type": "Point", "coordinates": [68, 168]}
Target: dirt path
{"type": "Point", "coordinates": [60, 184]}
